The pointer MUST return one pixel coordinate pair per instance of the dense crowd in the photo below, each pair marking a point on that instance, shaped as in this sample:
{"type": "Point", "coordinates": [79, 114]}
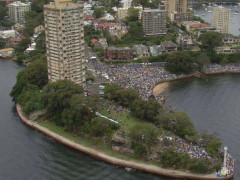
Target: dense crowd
{"type": "Point", "coordinates": [140, 77]}
{"type": "Point", "coordinates": [222, 68]}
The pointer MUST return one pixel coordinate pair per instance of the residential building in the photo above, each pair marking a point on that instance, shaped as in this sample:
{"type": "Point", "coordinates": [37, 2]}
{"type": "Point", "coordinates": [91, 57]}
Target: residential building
{"type": "Point", "coordinates": [101, 42]}
{"type": "Point", "coordinates": [118, 53]}
{"type": "Point", "coordinates": [140, 51]}
{"type": "Point", "coordinates": [15, 40]}
{"type": "Point", "coordinates": [17, 11]}
{"type": "Point", "coordinates": [122, 13]}
{"type": "Point", "coordinates": [229, 39]}
{"type": "Point", "coordinates": [114, 29]}
{"type": "Point", "coordinates": [7, 34]}
{"type": "Point", "coordinates": [180, 17]}
{"type": "Point", "coordinates": [220, 19]}
{"type": "Point", "coordinates": [154, 22]}
{"type": "Point", "coordinates": [38, 29]}
{"type": "Point", "coordinates": [227, 49]}
{"type": "Point", "coordinates": [178, 6]}
{"type": "Point", "coordinates": [168, 46]}
{"type": "Point", "coordinates": [126, 3]}
{"type": "Point", "coordinates": [155, 50]}
{"type": "Point", "coordinates": [65, 41]}
{"type": "Point", "coordinates": [185, 42]}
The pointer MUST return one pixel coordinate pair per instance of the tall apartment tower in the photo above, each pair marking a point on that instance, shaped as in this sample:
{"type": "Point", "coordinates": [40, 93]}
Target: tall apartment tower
{"type": "Point", "coordinates": [220, 19]}
{"type": "Point", "coordinates": [178, 6]}
{"type": "Point", "coordinates": [17, 10]}
{"type": "Point", "coordinates": [65, 41]}
{"type": "Point", "coordinates": [154, 22]}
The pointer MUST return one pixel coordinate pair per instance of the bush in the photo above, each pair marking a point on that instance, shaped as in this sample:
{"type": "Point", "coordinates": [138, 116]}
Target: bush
{"type": "Point", "coordinates": [139, 149]}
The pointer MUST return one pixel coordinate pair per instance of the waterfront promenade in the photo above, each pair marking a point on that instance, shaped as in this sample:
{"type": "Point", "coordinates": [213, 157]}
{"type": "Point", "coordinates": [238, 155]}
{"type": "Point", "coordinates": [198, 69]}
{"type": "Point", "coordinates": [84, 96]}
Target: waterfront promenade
{"type": "Point", "coordinates": [112, 160]}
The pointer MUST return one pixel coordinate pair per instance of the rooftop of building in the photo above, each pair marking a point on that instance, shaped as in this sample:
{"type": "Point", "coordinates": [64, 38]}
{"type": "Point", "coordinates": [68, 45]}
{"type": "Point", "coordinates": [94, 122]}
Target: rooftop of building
{"type": "Point", "coordinates": [112, 48]}
{"type": "Point", "coordinates": [168, 44]}
{"type": "Point", "coordinates": [19, 3]}
{"type": "Point", "coordinates": [199, 25]}
{"type": "Point", "coordinates": [154, 10]}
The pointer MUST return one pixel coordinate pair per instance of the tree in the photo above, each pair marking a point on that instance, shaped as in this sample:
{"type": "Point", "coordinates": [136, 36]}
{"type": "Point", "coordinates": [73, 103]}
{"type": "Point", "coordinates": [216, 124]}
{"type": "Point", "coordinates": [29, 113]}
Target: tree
{"type": "Point", "coordinates": [3, 11]}
{"type": "Point", "coordinates": [77, 114]}
{"type": "Point", "coordinates": [98, 12]}
{"type": "Point", "coordinates": [213, 147]}
{"type": "Point", "coordinates": [210, 40]}
{"type": "Point", "coordinates": [146, 133]}
{"type": "Point", "coordinates": [132, 14]}
{"type": "Point", "coordinates": [202, 60]}
{"type": "Point", "coordinates": [2, 43]}
{"type": "Point", "coordinates": [169, 158]}
{"type": "Point", "coordinates": [33, 75]}
{"type": "Point", "coordinates": [57, 96]}
{"type": "Point", "coordinates": [179, 62]}
{"type": "Point", "coordinates": [179, 123]}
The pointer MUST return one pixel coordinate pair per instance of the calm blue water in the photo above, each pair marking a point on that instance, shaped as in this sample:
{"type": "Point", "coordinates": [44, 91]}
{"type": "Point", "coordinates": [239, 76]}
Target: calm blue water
{"type": "Point", "coordinates": [213, 104]}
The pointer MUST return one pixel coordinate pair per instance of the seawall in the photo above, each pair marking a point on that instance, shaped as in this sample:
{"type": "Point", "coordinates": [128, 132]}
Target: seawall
{"type": "Point", "coordinates": [112, 160]}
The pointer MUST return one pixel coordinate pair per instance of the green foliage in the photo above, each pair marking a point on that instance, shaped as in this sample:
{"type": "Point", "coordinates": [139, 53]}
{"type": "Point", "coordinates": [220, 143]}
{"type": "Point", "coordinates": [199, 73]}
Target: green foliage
{"type": "Point", "coordinates": [210, 40]}
{"type": "Point", "coordinates": [144, 134]}
{"type": "Point", "coordinates": [179, 63]}
{"type": "Point", "coordinates": [100, 127]}
{"type": "Point", "coordinates": [199, 165]}
{"type": "Point", "coordinates": [40, 43]}
{"type": "Point", "coordinates": [139, 149]}
{"type": "Point", "coordinates": [213, 147]}
{"type": "Point", "coordinates": [33, 75]}
{"type": "Point", "coordinates": [98, 12]}
{"type": "Point", "coordinates": [77, 114]}
{"type": "Point", "coordinates": [145, 110]}
{"type": "Point", "coordinates": [3, 11]}
{"type": "Point", "coordinates": [57, 96]}
{"type": "Point", "coordinates": [2, 43]}
{"type": "Point", "coordinates": [30, 100]}
{"type": "Point", "coordinates": [202, 60]}
{"type": "Point", "coordinates": [124, 97]}
{"type": "Point", "coordinates": [169, 158]}
{"type": "Point", "coordinates": [20, 48]}
{"type": "Point", "coordinates": [179, 123]}
{"type": "Point", "coordinates": [132, 14]}
{"type": "Point", "coordinates": [196, 18]}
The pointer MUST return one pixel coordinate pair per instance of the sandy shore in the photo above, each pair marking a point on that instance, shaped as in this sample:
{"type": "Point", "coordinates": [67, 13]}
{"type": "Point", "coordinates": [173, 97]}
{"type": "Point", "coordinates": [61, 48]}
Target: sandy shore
{"type": "Point", "coordinates": [112, 160]}
{"type": "Point", "coordinates": [158, 89]}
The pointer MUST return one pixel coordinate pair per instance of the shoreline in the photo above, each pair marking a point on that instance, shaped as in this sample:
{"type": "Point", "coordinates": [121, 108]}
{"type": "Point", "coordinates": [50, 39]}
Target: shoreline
{"type": "Point", "coordinates": [112, 160]}
{"type": "Point", "coordinates": [162, 86]}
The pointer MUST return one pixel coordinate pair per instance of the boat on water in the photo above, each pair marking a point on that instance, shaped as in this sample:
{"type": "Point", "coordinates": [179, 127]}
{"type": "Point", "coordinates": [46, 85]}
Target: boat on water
{"type": "Point", "coordinates": [205, 4]}
{"type": "Point", "coordinates": [209, 11]}
{"type": "Point", "coordinates": [236, 12]}
{"type": "Point", "coordinates": [206, 9]}
{"type": "Point", "coordinates": [203, 14]}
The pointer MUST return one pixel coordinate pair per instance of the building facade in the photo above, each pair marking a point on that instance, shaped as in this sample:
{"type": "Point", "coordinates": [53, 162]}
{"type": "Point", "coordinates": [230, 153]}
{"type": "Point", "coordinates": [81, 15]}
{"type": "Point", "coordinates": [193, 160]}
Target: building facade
{"type": "Point", "coordinates": [154, 22]}
{"type": "Point", "coordinates": [17, 11]}
{"type": "Point", "coordinates": [118, 53]}
{"type": "Point", "coordinates": [220, 19]}
{"type": "Point", "coordinates": [178, 6]}
{"type": "Point", "coordinates": [65, 41]}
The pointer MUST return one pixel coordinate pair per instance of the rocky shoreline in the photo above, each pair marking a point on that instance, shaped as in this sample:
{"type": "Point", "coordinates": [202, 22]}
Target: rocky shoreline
{"type": "Point", "coordinates": [112, 160]}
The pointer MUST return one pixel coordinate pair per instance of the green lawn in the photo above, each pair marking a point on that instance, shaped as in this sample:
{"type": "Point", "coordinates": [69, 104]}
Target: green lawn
{"type": "Point", "coordinates": [127, 121]}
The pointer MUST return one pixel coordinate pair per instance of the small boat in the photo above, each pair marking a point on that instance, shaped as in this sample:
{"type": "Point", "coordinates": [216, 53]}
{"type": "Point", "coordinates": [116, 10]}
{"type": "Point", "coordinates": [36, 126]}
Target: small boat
{"type": "Point", "coordinates": [203, 14]}
{"type": "Point", "coordinates": [209, 11]}
{"type": "Point", "coordinates": [128, 169]}
{"type": "Point", "coordinates": [206, 9]}
{"type": "Point", "coordinates": [236, 12]}
{"type": "Point", "coordinates": [205, 4]}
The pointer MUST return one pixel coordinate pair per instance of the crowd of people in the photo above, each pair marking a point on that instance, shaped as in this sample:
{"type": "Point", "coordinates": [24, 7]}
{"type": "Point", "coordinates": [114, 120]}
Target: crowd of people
{"type": "Point", "coordinates": [222, 68]}
{"type": "Point", "coordinates": [141, 77]}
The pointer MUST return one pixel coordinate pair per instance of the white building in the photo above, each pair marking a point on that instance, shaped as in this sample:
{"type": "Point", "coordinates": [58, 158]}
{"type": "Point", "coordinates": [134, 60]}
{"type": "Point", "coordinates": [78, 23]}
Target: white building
{"type": "Point", "coordinates": [220, 19]}
{"type": "Point", "coordinates": [7, 34]}
{"type": "Point", "coordinates": [122, 13]}
{"type": "Point", "coordinates": [17, 11]}
{"type": "Point", "coordinates": [126, 3]}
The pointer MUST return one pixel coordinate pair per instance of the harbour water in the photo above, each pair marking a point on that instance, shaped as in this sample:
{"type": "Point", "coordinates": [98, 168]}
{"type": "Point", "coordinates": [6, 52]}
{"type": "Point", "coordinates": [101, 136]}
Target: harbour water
{"type": "Point", "coordinates": [213, 104]}
{"type": "Point", "coordinates": [205, 12]}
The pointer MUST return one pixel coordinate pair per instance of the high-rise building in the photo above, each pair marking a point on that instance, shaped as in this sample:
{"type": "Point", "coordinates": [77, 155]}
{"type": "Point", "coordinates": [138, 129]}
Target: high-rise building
{"type": "Point", "coordinates": [220, 19]}
{"type": "Point", "coordinates": [154, 22]}
{"type": "Point", "coordinates": [179, 6]}
{"type": "Point", "coordinates": [17, 11]}
{"type": "Point", "coordinates": [65, 41]}
{"type": "Point", "coordinates": [177, 10]}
